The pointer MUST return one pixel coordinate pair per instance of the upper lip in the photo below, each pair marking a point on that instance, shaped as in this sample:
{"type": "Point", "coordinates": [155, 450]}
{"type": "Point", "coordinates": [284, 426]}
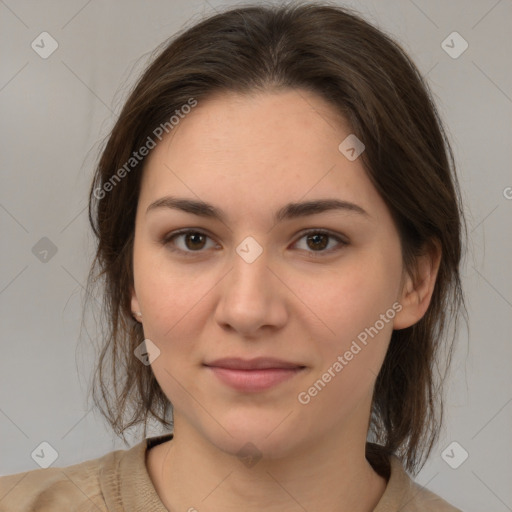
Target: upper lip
{"type": "Point", "coordinates": [258, 363]}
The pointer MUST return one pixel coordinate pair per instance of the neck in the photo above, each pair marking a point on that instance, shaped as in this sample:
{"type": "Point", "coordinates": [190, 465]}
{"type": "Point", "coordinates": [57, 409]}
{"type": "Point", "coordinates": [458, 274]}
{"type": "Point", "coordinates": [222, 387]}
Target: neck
{"type": "Point", "coordinates": [332, 474]}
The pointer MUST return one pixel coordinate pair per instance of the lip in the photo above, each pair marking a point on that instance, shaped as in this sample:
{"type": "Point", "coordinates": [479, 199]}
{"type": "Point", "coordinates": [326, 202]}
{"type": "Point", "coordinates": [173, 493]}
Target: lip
{"type": "Point", "coordinates": [258, 363]}
{"type": "Point", "coordinates": [253, 375]}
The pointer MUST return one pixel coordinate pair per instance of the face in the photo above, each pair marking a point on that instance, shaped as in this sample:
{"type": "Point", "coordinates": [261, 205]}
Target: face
{"type": "Point", "coordinates": [313, 288]}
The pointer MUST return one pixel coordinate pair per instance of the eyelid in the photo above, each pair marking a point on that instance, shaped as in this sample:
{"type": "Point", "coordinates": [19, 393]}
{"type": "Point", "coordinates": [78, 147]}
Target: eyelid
{"type": "Point", "coordinates": [167, 239]}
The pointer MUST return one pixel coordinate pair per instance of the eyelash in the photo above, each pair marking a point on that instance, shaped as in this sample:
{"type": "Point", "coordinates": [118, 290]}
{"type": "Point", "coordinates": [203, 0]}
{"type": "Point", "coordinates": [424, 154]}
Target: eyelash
{"type": "Point", "coordinates": [167, 239]}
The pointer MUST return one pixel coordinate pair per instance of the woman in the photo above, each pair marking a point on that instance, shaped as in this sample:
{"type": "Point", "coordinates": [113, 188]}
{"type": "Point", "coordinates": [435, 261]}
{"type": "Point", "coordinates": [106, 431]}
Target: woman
{"type": "Point", "coordinates": [279, 236]}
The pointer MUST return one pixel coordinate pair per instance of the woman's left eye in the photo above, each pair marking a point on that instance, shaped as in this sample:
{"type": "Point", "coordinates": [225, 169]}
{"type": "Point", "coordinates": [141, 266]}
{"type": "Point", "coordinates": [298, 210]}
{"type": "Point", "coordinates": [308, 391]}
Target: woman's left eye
{"type": "Point", "coordinates": [319, 239]}
{"type": "Point", "coordinates": [194, 241]}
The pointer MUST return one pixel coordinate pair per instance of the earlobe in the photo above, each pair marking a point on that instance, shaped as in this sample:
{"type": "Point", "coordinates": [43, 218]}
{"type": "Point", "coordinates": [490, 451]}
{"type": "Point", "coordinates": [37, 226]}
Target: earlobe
{"type": "Point", "coordinates": [135, 305]}
{"type": "Point", "coordinates": [417, 290]}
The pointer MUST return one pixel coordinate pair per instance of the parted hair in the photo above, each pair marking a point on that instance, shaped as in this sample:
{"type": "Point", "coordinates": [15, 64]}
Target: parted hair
{"type": "Point", "coordinates": [370, 80]}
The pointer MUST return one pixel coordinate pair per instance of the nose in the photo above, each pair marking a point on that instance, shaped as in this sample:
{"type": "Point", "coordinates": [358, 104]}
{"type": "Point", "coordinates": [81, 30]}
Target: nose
{"type": "Point", "coordinates": [253, 298]}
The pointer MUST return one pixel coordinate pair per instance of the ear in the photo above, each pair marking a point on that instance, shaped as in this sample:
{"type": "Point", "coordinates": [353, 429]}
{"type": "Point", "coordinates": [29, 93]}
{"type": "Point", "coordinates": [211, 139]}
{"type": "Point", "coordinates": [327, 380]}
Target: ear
{"type": "Point", "coordinates": [134, 301]}
{"type": "Point", "coordinates": [417, 290]}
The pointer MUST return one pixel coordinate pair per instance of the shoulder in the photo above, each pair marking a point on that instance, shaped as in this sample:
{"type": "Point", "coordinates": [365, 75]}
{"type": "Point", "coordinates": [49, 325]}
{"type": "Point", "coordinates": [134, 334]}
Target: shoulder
{"type": "Point", "coordinates": [408, 495]}
{"type": "Point", "coordinates": [70, 488]}
{"type": "Point", "coordinates": [421, 499]}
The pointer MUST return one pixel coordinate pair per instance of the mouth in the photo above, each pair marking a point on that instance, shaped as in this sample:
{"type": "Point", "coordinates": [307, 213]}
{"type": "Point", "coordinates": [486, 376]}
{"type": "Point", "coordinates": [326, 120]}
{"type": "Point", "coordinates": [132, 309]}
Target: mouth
{"type": "Point", "coordinates": [254, 375]}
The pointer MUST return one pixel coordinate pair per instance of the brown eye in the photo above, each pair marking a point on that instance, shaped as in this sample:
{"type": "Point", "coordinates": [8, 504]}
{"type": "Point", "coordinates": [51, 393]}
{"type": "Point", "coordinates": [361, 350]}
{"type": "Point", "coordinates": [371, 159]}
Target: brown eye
{"type": "Point", "coordinates": [318, 240]}
{"type": "Point", "coordinates": [187, 242]}
{"type": "Point", "coordinates": [194, 241]}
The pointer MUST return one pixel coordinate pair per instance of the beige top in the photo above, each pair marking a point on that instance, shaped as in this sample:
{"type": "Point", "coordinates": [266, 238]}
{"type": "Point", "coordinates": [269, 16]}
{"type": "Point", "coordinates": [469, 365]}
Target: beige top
{"type": "Point", "coordinates": [119, 482]}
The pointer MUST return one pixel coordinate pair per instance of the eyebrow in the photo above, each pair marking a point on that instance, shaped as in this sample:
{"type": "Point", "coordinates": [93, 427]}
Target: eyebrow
{"type": "Point", "coordinates": [287, 212]}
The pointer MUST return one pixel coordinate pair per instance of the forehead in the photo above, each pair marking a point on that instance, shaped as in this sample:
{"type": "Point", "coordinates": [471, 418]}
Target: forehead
{"type": "Point", "coordinates": [258, 148]}
{"type": "Point", "coordinates": [291, 122]}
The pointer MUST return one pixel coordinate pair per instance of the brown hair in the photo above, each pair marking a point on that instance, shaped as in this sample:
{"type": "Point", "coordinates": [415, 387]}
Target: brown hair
{"type": "Point", "coordinates": [368, 79]}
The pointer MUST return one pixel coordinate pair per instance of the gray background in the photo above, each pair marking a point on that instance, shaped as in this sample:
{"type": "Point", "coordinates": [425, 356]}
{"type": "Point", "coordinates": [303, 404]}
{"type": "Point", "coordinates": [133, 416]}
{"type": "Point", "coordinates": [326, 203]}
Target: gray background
{"type": "Point", "coordinates": [56, 111]}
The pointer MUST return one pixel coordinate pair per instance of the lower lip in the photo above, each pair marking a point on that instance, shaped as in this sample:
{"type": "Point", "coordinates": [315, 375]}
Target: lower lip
{"type": "Point", "coordinates": [254, 380]}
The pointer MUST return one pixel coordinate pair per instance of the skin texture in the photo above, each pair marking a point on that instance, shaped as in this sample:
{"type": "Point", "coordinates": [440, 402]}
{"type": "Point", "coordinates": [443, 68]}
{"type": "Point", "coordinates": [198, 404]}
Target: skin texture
{"type": "Point", "coordinates": [249, 156]}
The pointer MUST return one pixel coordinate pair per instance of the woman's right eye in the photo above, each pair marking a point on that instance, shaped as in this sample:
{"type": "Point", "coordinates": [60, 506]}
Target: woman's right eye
{"type": "Point", "coordinates": [192, 241]}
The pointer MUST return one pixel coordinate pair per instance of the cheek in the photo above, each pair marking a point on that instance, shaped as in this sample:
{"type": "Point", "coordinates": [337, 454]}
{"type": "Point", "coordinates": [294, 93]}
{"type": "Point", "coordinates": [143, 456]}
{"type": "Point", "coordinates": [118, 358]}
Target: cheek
{"type": "Point", "coordinates": [171, 294]}
{"type": "Point", "coordinates": [355, 309]}
{"type": "Point", "coordinates": [174, 321]}
{"type": "Point", "coordinates": [354, 304]}
{"type": "Point", "coordinates": [351, 297]}
{"type": "Point", "coordinates": [172, 301]}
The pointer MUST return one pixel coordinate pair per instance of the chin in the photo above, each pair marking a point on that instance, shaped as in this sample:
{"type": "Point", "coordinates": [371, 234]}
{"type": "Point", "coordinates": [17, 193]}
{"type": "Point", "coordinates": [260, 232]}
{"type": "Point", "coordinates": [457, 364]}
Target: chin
{"type": "Point", "coordinates": [258, 438]}
{"type": "Point", "coordinates": [250, 447]}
